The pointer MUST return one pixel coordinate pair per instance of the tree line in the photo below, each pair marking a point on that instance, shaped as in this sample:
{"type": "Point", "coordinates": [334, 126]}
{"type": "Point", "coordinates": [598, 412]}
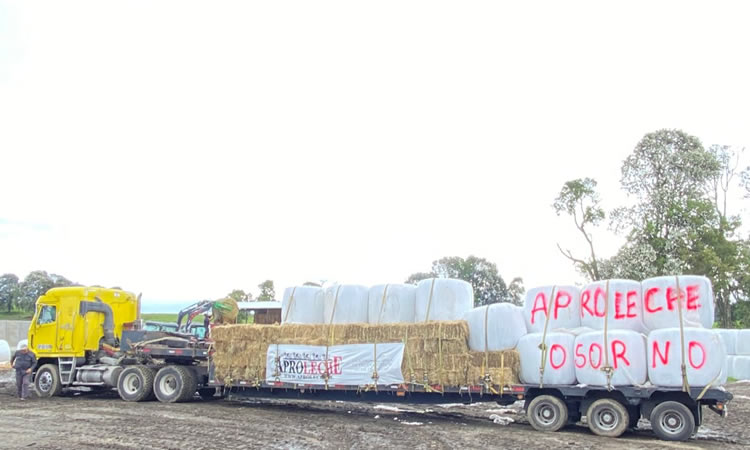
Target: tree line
{"type": "Point", "coordinates": [678, 221]}
{"type": "Point", "coordinates": [17, 295]}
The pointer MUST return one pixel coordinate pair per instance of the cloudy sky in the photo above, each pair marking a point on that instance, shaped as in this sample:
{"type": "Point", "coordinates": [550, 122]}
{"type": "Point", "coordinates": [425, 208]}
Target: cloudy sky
{"type": "Point", "coordinates": [183, 149]}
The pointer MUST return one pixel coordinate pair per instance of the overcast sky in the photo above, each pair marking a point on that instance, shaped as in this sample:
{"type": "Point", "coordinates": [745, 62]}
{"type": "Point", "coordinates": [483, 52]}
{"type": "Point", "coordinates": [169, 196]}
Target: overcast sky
{"type": "Point", "coordinates": [183, 149]}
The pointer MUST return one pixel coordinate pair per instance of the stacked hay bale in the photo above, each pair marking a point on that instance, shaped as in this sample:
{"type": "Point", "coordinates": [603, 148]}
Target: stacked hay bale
{"type": "Point", "coordinates": [435, 353]}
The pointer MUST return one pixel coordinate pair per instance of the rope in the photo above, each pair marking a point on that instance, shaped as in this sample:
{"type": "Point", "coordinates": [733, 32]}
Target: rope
{"type": "Point", "coordinates": [412, 378]}
{"type": "Point", "coordinates": [429, 301]}
{"type": "Point", "coordinates": [683, 367]}
{"type": "Point", "coordinates": [543, 345]}
{"type": "Point", "coordinates": [440, 353]}
{"type": "Point", "coordinates": [326, 375]}
{"type": "Point", "coordinates": [607, 369]}
{"type": "Point", "coordinates": [291, 304]}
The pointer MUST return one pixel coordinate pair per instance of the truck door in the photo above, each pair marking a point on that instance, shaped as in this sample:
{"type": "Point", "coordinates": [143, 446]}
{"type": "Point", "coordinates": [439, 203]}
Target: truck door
{"type": "Point", "coordinates": [44, 340]}
{"type": "Point", "coordinates": [65, 321]}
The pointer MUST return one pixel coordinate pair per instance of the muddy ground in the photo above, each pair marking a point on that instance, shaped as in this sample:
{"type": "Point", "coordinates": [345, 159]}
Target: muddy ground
{"type": "Point", "coordinates": [102, 420]}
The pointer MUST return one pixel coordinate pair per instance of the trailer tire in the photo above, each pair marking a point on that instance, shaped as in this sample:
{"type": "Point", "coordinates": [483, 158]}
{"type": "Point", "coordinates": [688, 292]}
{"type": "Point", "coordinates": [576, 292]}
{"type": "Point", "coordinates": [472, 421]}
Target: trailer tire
{"type": "Point", "coordinates": [547, 413]}
{"type": "Point", "coordinates": [136, 384]}
{"type": "Point", "coordinates": [607, 417]}
{"type": "Point", "coordinates": [47, 381]}
{"type": "Point", "coordinates": [174, 384]}
{"type": "Point", "coordinates": [672, 421]}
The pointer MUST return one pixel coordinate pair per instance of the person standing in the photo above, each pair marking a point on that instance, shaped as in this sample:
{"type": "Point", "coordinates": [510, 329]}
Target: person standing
{"type": "Point", "coordinates": [24, 361]}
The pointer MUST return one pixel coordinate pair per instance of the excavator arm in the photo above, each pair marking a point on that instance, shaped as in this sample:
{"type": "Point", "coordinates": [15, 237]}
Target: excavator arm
{"type": "Point", "coordinates": [191, 311]}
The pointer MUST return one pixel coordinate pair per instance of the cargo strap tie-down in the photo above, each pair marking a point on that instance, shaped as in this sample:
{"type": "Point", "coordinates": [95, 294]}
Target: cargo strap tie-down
{"type": "Point", "coordinates": [486, 376]}
{"type": "Point", "coordinates": [543, 344]}
{"type": "Point", "coordinates": [375, 345]}
{"type": "Point", "coordinates": [332, 337]}
{"type": "Point", "coordinates": [290, 306]}
{"type": "Point", "coordinates": [606, 368]}
{"type": "Point", "coordinates": [429, 300]}
{"type": "Point", "coordinates": [683, 367]}
{"type": "Point", "coordinates": [277, 359]}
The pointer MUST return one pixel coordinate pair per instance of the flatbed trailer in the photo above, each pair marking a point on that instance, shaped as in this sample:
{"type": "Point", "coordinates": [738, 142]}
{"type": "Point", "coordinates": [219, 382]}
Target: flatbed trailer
{"type": "Point", "coordinates": [674, 415]}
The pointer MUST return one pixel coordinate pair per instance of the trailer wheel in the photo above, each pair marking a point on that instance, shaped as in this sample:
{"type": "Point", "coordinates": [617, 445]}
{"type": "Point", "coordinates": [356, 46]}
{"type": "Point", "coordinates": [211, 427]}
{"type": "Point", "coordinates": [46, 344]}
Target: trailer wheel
{"type": "Point", "coordinates": [174, 384]}
{"type": "Point", "coordinates": [607, 417]}
{"type": "Point", "coordinates": [547, 413]}
{"type": "Point", "coordinates": [47, 381]}
{"type": "Point", "coordinates": [672, 421]}
{"type": "Point", "coordinates": [136, 384]}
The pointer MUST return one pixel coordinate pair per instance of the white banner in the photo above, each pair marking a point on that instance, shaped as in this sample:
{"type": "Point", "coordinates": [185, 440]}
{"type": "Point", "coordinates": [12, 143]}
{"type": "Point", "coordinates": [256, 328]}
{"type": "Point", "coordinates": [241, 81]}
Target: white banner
{"type": "Point", "coordinates": [347, 364]}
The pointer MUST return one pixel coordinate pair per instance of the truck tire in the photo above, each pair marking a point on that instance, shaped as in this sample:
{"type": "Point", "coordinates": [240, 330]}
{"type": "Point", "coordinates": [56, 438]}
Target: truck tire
{"type": "Point", "coordinates": [672, 421]}
{"type": "Point", "coordinates": [547, 413]}
{"type": "Point", "coordinates": [175, 384]}
{"type": "Point", "coordinates": [607, 417]}
{"type": "Point", "coordinates": [136, 384]}
{"type": "Point", "coordinates": [47, 381]}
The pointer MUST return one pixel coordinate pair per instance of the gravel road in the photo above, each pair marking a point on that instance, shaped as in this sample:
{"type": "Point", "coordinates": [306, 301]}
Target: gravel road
{"type": "Point", "coordinates": [102, 420]}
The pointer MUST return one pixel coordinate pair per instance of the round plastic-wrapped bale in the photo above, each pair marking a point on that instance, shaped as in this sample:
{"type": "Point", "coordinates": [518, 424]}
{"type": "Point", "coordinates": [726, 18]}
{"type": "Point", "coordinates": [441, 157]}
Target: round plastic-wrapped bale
{"type": "Point", "coordinates": [661, 307]}
{"type": "Point", "coordinates": [4, 352]}
{"type": "Point", "coordinates": [623, 355]}
{"type": "Point", "coordinates": [303, 304]}
{"type": "Point", "coordinates": [346, 303]}
{"type": "Point", "coordinates": [705, 358]}
{"type": "Point", "coordinates": [559, 367]}
{"type": "Point", "coordinates": [495, 327]}
{"type": "Point", "coordinates": [742, 344]}
{"type": "Point", "coordinates": [619, 301]}
{"type": "Point", "coordinates": [564, 308]}
{"type": "Point", "coordinates": [740, 368]}
{"type": "Point", "coordinates": [729, 337]}
{"type": "Point", "coordinates": [392, 303]}
{"type": "Point", "coordinates": [443, 299]}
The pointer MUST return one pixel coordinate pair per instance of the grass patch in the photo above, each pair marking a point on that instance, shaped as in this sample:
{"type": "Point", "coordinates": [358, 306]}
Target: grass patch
{"type": "Point", "coordinates": [167, 317]}
{"type": "Point", "coordinates": [16, 315]}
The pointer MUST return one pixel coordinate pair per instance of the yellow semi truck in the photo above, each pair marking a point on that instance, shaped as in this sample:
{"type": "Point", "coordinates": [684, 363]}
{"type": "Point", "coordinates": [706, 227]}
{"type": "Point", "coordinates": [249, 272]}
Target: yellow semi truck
{"type": "Point", "coordinates": [88, 336]}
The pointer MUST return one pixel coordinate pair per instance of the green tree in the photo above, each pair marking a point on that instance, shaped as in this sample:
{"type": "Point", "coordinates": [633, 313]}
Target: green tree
{"type": "Point", "coordinates": [580, 200]}
{"type": "Point", "coordinates": [311, 283]}
{"type": "Point", "coordinates": [36, 284]}
{"type": "Point", "coordinates": [667, 175]}
{"type": "Point", "coordinates": [238, 295]}
{"type": "Point", "coordinates": [489, 286]}
{"type": "Point", "coordinates": [516, 291]}
{"type": "Point", "coordinates": [9, 291]}
{"type": "Point", "coordinates": [267, 292]}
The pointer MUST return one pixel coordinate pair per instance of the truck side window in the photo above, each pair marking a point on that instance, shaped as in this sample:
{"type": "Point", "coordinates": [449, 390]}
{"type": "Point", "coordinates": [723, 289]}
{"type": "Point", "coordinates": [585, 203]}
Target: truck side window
{"type": "Point", "coordinates": [46, 315]}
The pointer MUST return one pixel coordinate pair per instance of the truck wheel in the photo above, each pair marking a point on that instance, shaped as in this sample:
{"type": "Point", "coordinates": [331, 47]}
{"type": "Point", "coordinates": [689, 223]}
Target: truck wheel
{"type": "Point", "coordinates": [608, 417]}
{"type": "Point", "coordinates": [47, 381]}
{"type": "Point", "coordinates": [136, 384]}
{"type": "Point", "coordinates": [175, 384]}
{"type": "Point", "coordinates": [672, 421]}
{"type": "Point", "coordinates": [547, 413]}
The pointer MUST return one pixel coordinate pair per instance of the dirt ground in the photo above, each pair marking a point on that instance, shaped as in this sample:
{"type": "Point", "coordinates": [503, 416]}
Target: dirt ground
{"type": "Point", "coordinates": [102, 420]}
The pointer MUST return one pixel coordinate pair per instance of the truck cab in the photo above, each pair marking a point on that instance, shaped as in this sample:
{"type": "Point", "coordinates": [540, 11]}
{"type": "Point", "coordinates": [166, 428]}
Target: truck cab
{"type": "Point", "coordinates": [70, 326]}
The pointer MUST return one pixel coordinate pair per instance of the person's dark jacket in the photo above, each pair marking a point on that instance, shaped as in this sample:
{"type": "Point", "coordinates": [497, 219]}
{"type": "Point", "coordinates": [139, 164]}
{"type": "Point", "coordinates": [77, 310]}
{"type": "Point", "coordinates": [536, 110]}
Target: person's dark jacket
{"type": "Point", "coordinates": [24, 361]}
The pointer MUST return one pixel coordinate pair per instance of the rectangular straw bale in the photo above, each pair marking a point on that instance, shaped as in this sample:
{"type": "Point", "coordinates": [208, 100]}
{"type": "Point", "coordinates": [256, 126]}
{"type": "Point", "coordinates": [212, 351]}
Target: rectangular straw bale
{"type": "Point", "coordinates": [435, 352]}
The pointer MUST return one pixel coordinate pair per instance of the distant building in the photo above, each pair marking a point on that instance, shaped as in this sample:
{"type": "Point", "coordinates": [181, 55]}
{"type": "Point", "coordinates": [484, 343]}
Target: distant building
{"type": "Point", "coordinates": [263, 312]}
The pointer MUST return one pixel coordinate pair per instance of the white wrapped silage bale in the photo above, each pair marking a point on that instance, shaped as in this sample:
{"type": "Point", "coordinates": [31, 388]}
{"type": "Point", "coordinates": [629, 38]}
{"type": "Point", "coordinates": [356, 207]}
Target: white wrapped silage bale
{"type": "Point", "coordinates": [661, 307]}
{"type": "Point", "coordinates": [303, 304]}
{"type": "Point", "coordinates": [742, 344]}
{"type": "Point", "coordinates": [625, 354]}
{"type": "Point", "coordinates": [391, 303]}
{"type": "Point", "coordinates": [729, 338]}
{"type": "Point", "coordinates": [4, 352]}
{"type": "Point", "coordinates": [705, 358]}
{"type": "Point", "coordinates": [617, 301]}
{"type": "Point", "coordinates": [498, 326]}
{"type": "Point", "coordinates": [564, 308]}
{"type": "Point", "coordinates": [443, 299]}
{"type": "Point", "coordinates": [740, 368]}
{"type": "Point", "coordinates": [346, 303]}
{"type": "Point", "coordinates": [559, 366]}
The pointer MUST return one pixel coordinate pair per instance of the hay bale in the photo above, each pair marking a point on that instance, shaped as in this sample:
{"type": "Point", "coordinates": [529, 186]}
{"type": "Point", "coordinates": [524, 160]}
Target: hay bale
{"type": "Point", "coordinates": [434, 353]}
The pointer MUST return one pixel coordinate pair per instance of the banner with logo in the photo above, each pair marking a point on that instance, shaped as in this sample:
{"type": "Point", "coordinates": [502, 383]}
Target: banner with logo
{"type": "Point", "coordinates": [353, 364]}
